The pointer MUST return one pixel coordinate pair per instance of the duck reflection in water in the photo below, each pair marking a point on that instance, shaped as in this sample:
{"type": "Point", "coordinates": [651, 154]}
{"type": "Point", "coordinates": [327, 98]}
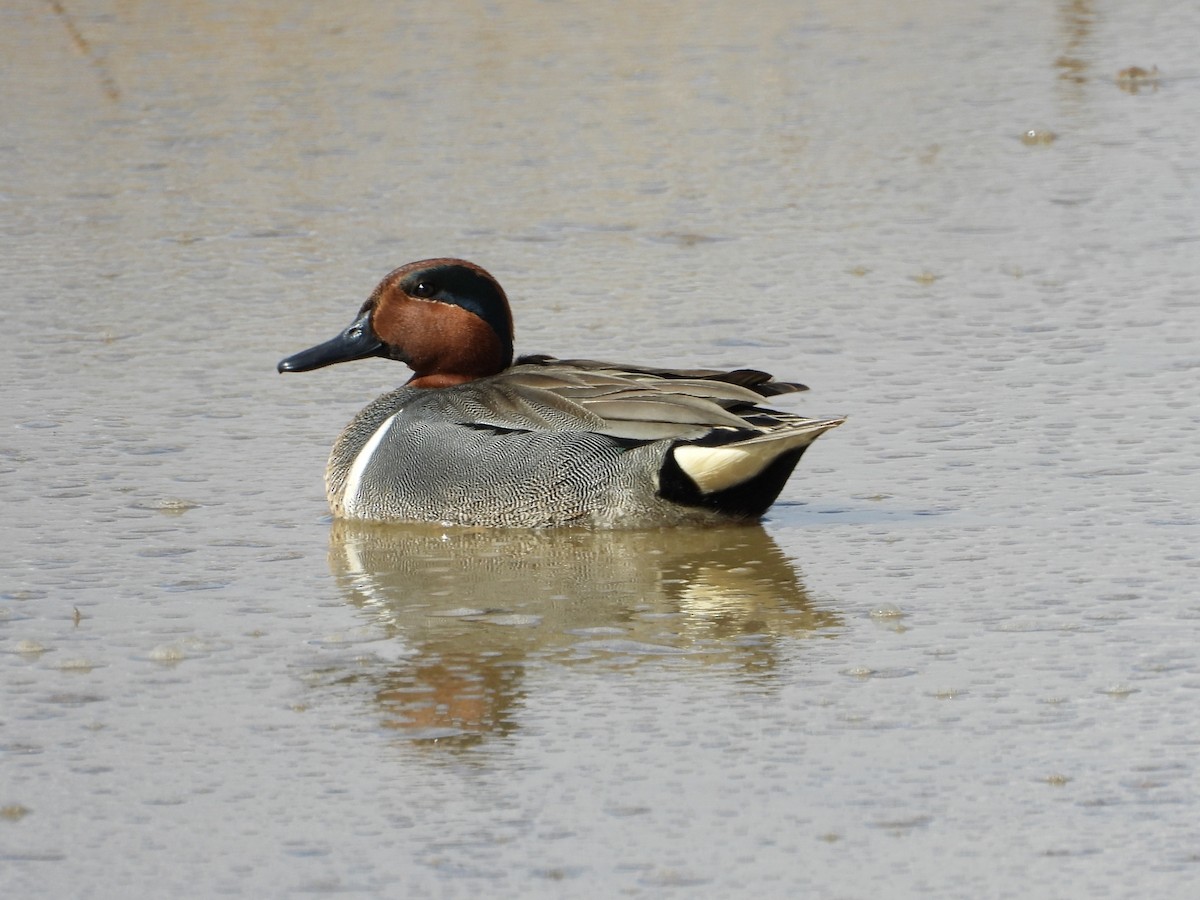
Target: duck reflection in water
{"type": "Point", "coordinates": [471, 609]}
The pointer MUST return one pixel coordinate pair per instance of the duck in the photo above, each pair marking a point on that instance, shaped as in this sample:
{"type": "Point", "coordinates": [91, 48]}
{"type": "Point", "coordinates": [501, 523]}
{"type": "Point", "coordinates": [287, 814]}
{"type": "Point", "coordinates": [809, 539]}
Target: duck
{"type": "Point", "coordinates": [476, 438]}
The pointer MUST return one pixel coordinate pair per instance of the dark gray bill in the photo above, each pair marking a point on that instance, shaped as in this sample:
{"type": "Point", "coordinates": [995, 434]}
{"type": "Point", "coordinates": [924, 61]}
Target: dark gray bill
{"type": "Point", "coordinates": [356, 342]}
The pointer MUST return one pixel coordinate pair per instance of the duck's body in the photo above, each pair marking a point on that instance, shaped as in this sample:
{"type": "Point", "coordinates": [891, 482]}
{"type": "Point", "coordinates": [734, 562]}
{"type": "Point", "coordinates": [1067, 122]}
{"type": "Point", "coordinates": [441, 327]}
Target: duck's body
{"type": "Point", "coordinates": [473, 440]}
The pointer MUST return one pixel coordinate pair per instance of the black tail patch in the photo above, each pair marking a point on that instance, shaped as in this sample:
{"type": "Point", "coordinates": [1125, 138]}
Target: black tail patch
{"type": "Point", "coordinates": [748, 500]}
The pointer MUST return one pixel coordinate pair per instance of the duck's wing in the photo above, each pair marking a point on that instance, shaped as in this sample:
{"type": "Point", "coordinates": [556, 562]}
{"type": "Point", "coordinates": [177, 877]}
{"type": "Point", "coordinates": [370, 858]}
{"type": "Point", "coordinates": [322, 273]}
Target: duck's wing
{"type": "Point", "coordinates": [609, 402]}
{"type": "Point", "coordinates": [762, 383]}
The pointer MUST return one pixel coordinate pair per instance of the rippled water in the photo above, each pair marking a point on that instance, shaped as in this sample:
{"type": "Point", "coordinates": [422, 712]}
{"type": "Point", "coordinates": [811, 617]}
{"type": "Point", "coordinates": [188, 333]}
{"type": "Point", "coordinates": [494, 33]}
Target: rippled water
{"type": "Point", "coordinates": [959, 659]}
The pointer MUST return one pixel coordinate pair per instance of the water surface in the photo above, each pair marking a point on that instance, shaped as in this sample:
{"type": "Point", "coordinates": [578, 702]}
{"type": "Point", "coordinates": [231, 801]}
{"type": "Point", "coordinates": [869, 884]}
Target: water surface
{"type": "Point", "coordinates": [959, 659]}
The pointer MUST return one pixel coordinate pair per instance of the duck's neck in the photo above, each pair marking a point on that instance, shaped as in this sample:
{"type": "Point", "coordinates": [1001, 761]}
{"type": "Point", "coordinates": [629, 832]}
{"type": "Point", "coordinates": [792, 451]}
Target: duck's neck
{"type": "Point", "coordinates": [439, 380]}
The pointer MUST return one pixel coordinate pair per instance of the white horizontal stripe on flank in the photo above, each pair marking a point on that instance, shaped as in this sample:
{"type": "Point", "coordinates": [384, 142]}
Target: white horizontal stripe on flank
{"type": "Point", "coordinates": [354, 479]}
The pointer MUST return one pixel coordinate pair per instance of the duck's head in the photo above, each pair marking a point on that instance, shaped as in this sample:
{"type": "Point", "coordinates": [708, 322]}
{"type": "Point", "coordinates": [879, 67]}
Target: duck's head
{"type": "Point", "coordinates": [446, 319]}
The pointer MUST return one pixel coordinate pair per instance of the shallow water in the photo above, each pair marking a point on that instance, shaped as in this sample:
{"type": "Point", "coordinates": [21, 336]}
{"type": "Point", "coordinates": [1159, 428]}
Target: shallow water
{"type": "Point", "coordinates": [959, 659]}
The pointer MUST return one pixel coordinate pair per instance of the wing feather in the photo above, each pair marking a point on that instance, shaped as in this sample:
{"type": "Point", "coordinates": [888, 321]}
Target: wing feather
{"type": "Point", "coordinates": [578, 395]}
{"type": "Point", "coordinates": [761, 383]}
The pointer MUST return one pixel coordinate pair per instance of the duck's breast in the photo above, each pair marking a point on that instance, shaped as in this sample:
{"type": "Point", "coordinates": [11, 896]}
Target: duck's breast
{"type": "Point", "coordinates": [466, 456]}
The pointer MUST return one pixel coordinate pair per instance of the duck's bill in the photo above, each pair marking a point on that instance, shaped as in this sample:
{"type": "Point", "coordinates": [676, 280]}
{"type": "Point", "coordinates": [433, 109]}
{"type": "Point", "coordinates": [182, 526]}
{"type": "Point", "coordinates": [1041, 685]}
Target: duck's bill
{"type": "Point", "coordinates": [356, 342]}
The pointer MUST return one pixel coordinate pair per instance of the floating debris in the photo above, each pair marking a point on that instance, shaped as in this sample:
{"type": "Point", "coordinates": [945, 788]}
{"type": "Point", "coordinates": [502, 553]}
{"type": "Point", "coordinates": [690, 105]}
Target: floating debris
{"type": "Point", "coordinates": [510, 619]}
{"type": "Point", "coordinates": [167, 653]}
{"type": "Point", "coordinates": [1135, 78]}
{"type": "Point", "coordinates": [171, 506]}
{"type": "Point", "coordinates": [1038, 137]}
{"type": "Point", "coordinates": [1071, 69]}
{"type": "Point", "coordinates": [28, 647]}
{"type": "Point", "coordinates": [76, 665]}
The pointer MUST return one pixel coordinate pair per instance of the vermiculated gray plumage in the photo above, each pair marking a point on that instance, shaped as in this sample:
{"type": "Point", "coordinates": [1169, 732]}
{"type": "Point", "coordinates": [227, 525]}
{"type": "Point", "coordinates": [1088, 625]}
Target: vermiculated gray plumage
{"type": "Point", "coordinates": [562, 442]}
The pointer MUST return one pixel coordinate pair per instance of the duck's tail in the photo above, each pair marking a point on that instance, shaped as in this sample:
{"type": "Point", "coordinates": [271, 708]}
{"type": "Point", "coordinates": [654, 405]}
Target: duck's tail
{"type": "Point", "coordinates": [742, 477]}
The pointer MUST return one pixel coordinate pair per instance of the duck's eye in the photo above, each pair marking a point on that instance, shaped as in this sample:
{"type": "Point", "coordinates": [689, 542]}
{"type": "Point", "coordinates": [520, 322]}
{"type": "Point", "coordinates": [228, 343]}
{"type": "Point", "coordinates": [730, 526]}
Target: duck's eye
{"type": "Point", "coordinates": [424, 289]}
